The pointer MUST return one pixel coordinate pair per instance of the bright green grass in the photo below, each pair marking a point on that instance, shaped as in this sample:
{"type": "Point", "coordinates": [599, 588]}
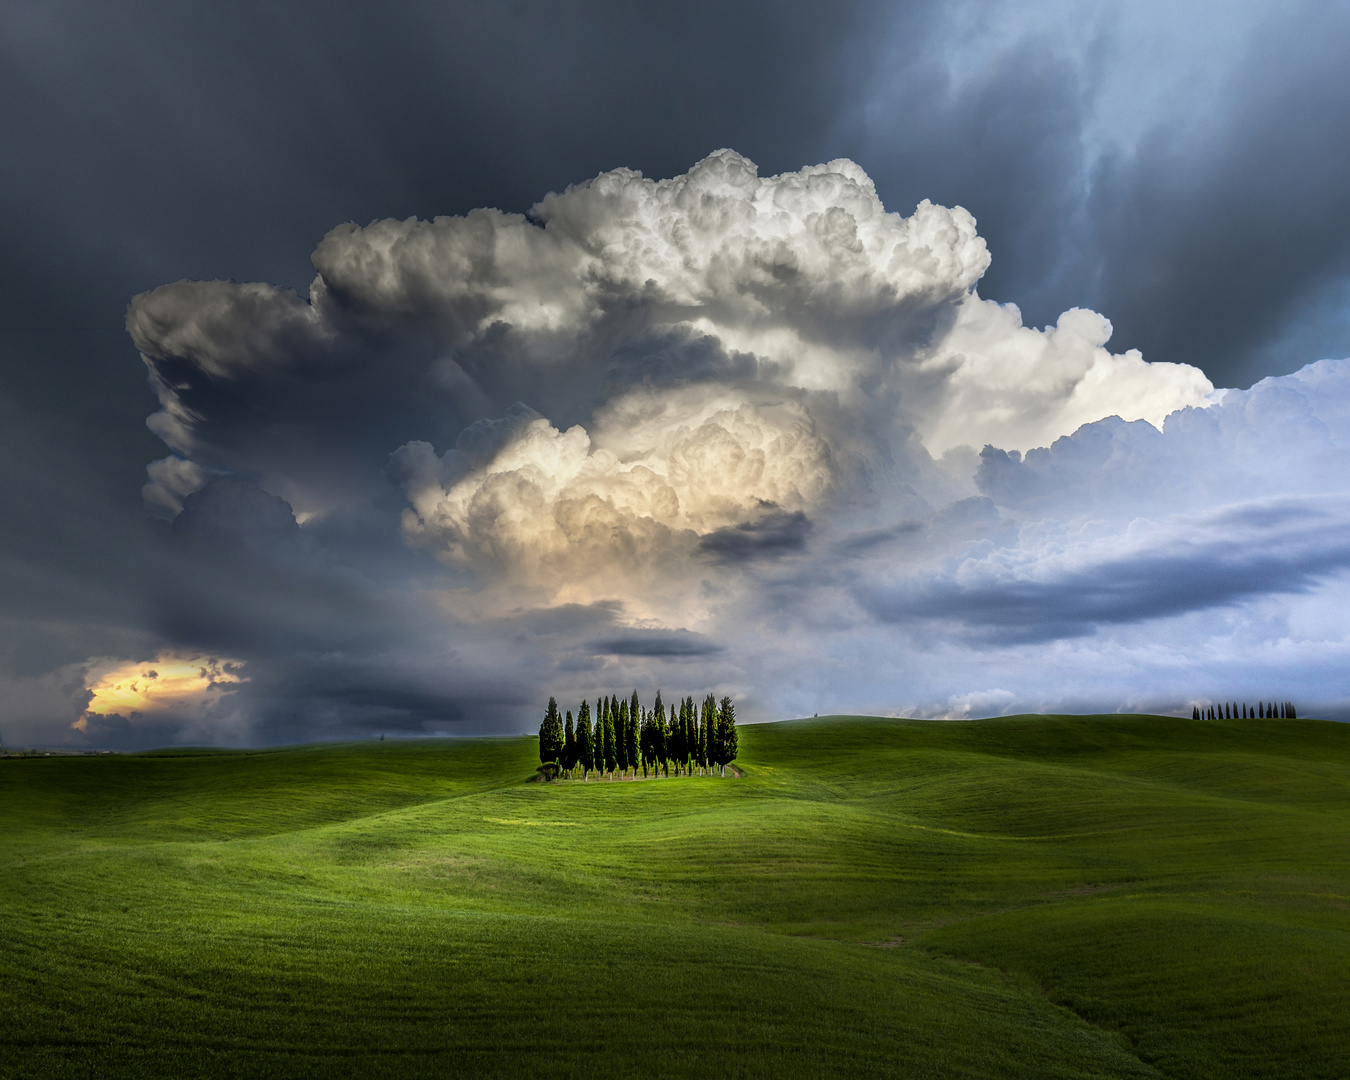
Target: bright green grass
{"type": "Point", "coordinates": [1032, 896]}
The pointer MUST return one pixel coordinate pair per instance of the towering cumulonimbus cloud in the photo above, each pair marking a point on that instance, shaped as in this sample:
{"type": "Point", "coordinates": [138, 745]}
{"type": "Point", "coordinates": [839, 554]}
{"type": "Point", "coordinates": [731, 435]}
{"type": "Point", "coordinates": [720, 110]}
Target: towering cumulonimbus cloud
{"type": "Point", "coordinates": [697, 352]}
{"type": "Point", "coordinates": [747, 432]}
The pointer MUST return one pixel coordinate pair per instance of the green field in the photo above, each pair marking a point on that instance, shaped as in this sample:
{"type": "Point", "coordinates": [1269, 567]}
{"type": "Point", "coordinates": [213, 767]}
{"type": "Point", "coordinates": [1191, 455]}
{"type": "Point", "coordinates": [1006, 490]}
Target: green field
{"type": "Point", "coordinates": [1031, 896]}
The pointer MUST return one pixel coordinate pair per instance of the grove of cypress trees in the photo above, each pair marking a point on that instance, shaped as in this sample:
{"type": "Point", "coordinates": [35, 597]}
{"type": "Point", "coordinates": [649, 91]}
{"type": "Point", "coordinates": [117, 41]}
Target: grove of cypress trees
{"type": "Point", "coordinates": [551, 734]}
{"type": "Point", "coordinates": [585, 739]}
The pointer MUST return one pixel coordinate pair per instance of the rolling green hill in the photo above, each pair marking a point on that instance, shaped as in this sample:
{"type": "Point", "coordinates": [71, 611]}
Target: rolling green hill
{"type": "Point", "coordinates": [1106, 896]}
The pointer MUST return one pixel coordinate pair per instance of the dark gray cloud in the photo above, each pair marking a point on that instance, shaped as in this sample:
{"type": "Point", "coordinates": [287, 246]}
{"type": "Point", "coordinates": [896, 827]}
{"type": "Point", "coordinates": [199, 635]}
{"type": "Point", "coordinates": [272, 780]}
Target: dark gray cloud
{"type": "Point", "coordinates": [1173, 168]}
{"type": "Point", "coordinates": [1221, 231]}
{"type": "Point", "coordinates": [166, 141]}
{"type": "Point", "coordinates": [159, 142]}
{"type": "Point", "coordinates": [656, 643]}
{"type": "Point", "coordinates": [776, 533]}
{"type": "Point", "coordinates": [1235, 555]}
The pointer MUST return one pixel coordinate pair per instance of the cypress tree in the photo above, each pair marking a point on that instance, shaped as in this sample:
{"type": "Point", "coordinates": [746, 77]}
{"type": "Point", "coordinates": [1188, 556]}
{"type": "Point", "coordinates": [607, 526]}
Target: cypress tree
{"type": "Point", "coordinates": [631, 740]}
{"type": "Point", "coordinates": [569, 761]}
{"type": "Point", "coordinates": [710, 731]}
{"type": "Point", "coordinates": [727, 740]}
{"type": "Point", "coordinates": [551, 734]}
{"type": "Point", "coordinates": [585, 739]}
{"type": "Point", "coordinates": [690, 735]}
{"type": "Point", "coordinates": [661, 735]}
{"type": "Point", "coordinates": [686, 743]}
{"type": "Point", "coordinates": [621, 737]}
{"type": "Point", "coordinates": [611, 755]}
{"type": "Point", "coordinates": [645, 742]}
{"type": "Point", "coordinates": [633, 735]}
{"type": "Point", "coordinates": [696, 735]}
{"type": "Point", "coordinates": [677, 734]}
{"type": "Point", "coordinates": [604, 738]}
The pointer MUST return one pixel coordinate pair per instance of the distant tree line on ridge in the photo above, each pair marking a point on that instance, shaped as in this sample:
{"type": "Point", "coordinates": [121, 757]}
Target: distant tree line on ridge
{"type": "Point", "coordinates": [625, 736]}
{"type": "Point", "coordinates": [1229, 710]}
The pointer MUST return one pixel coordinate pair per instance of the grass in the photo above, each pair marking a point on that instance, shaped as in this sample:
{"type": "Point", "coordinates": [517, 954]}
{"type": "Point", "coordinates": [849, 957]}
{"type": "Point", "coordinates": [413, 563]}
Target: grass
{"type": "Point", "coordinates": [1101, 896]}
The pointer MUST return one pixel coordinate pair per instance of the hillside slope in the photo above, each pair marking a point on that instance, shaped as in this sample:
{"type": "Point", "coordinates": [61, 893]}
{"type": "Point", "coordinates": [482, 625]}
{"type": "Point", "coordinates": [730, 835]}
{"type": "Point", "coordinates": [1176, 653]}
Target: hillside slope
{"type": "Point", "coordinates": [1028, 896]}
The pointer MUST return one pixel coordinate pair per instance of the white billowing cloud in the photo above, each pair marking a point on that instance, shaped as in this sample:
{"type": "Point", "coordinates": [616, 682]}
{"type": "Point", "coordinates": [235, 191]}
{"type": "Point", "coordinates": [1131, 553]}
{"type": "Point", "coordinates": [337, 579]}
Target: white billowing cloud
{"type": "Point", "coordinates": [720, 242]}
{"type": "Point", "coordinates": [1018, 388]}
{"type": "Point", "coordinates": [800, 291]}
{"type": "Point", "coordinates": [657, 472]}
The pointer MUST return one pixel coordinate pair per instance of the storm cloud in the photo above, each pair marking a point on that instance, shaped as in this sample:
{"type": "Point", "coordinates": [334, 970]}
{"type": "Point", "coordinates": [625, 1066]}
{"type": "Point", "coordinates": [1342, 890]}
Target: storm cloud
{"type": "Point", "coordinates": [927, 427]}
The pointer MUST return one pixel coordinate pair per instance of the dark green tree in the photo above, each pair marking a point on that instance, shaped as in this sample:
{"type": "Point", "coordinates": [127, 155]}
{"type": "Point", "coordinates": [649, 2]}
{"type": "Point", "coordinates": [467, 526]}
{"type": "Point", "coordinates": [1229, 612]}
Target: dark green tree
{"type": "Point", "coordinates": [727, 739]}
{"type": "Point", "coordinates": [601, 748]}
{"type": "Point", "coordinates": [551, 734]}
{"type": "Point", "coordinates": [611, 742]}
{"type": "Point", "coordinates": [585, 740]}
{"type": "Point", "coordinates": [710, 731]}
{"type": "Point", "coordinates": [569, 761]}
{"type": "Point", "coordinates": [691, 733]}
{"type": "Point", "coordinates": [621, 737]}
{"type": "Point", "coordinates": [661, 735]}
{"type": "Point", "coordinates": [696, 735]}
{"type": "Point", "coordinates": [645, 741]}
{"type": "Point", "coordinates": [631, 739]}
{"type": "Point", "coordinates": [677, 735]}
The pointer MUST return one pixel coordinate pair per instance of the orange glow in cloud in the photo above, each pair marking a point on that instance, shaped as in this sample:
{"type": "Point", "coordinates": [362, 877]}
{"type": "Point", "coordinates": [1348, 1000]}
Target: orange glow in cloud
{"type": "Point", "coordinates": [167, 684]}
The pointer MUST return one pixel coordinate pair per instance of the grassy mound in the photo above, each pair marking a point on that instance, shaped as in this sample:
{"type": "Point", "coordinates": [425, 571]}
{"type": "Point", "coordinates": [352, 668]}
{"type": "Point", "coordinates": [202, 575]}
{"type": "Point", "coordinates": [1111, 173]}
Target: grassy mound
{"type": "Point", "coordinates": [1030, 896]}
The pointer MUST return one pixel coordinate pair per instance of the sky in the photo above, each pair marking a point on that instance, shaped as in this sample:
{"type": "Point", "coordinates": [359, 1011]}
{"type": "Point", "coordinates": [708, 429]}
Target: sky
{"type": "Point", "coordinates": [386, 369]}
